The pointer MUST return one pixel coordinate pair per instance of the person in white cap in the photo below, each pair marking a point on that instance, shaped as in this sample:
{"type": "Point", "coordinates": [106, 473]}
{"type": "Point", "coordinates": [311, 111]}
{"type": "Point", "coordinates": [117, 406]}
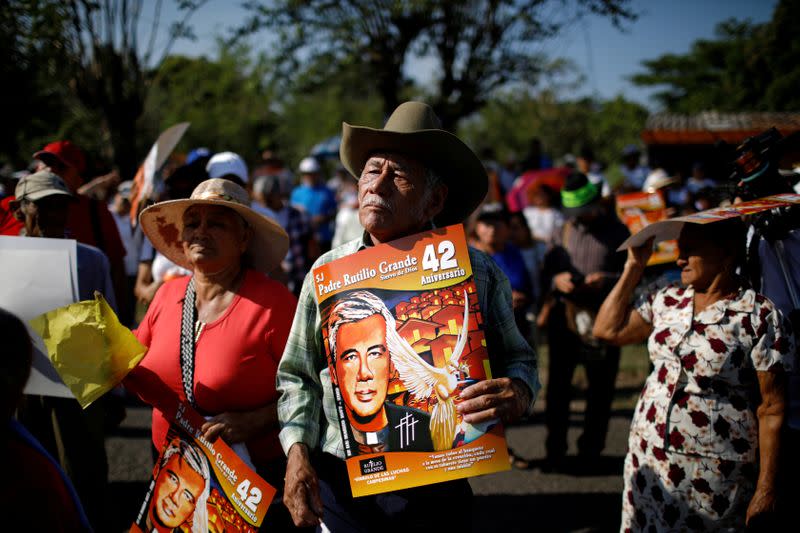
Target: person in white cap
{"type": "Point", "coordinates": [317, 200]}
{"type": "Point", "coordinates": [229, 166]}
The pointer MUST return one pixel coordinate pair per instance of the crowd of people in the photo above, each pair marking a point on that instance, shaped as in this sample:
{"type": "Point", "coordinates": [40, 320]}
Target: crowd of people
{"type": "Point", "coordinates": [212, 274]}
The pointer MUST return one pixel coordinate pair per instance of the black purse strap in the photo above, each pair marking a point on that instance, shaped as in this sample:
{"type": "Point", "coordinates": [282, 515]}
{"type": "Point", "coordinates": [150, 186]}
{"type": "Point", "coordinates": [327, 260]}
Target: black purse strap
{"type": "Point", "coordinates": [188, 319]}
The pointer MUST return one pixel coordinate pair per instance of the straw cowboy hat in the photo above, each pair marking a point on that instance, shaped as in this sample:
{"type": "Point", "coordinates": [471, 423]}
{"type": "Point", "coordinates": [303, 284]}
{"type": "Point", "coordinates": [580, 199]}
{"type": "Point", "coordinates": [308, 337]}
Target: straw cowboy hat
{"type": "Point", "coordinates": [163, 223]}
{"type": "Point", "coordinates": [415, 130]}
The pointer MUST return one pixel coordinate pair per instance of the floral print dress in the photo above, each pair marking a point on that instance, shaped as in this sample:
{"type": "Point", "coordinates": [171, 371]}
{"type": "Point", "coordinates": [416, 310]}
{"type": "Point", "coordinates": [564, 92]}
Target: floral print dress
{"type": "Point", "coordinates": [692, 460]}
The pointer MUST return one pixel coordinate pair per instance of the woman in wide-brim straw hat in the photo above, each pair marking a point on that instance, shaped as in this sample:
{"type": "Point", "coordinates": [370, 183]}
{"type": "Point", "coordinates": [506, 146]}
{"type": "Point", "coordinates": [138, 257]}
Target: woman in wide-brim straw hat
{"type": "Point", "coordinates": [215, 338]}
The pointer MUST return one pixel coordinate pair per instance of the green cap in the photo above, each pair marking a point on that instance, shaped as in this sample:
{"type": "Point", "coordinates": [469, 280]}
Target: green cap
{"type": "Point", "coordinates": [579, 197]}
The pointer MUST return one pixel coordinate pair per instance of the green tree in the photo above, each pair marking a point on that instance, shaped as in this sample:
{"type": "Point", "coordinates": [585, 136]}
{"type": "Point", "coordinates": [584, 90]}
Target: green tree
{"type": "Point", "coordinates": [480, 45]}
{"type": "Point", "coordinates": [511, 119]}
{"type": "Point", "coordinates": [237, 101]}
{"type": "Point", "coordinates": [107, 63]}
{"type": "Point", "coordinates": [316, 113]}
{"type": "Point", "coordinates": [35, 99]}
{"type": "Point", "coordinates": [746, 67]}
{"type": "Point", "coordinates": [78, 68]}
{"type": "Point", "coordinates": [226, 100]}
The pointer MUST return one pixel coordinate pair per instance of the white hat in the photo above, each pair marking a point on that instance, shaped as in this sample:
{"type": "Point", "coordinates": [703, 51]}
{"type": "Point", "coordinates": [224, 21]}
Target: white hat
{"type": "Point", "coordinates": [657, 179]}
{"type": "Point", "coordinates": [309, 165]}
{"type": "Point", "coordinates": [225, 163]}
{"type": "Point", "coordinates": [125, 188]}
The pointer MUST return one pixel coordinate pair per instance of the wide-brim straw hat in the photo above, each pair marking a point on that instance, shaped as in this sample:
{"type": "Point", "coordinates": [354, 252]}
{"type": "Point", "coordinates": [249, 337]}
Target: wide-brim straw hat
{"type": "Point", "coordinates": [414, 130]}
{"type": "Point", "coordinates": [163, 223]}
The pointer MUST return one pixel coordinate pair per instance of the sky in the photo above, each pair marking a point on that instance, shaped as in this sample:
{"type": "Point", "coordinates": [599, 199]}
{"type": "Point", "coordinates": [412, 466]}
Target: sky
{"type": "Point", "coordinates": [606, 56]}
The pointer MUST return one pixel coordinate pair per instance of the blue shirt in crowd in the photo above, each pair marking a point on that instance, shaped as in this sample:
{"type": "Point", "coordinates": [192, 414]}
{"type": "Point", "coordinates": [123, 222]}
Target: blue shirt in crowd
{"type": "Point", "coordinates": [315, 201]}
{"type": "Point", "coordinates": [512, 264]}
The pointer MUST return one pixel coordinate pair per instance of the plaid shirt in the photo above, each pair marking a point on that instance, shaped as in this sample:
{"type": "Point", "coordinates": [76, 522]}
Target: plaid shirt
{"type": "Point", "coordinates": [304, 381]}
{"type": "Point", "coordinates": [295, 263]}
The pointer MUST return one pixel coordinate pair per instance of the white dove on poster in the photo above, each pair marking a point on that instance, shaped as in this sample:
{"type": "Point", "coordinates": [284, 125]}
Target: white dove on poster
{"type": "Point", "coordinates": [423, 380]}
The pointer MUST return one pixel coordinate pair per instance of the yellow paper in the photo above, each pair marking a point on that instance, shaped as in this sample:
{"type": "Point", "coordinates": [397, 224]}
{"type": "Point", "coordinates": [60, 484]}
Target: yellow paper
{"type": "Point", "coordinates": [89, 348]}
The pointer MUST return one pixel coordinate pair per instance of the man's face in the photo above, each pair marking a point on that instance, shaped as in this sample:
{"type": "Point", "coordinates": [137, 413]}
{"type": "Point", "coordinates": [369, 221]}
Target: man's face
{"type": "Point", "coordinates": [311, 178]}
{"type": "Point", "coordinates": [177, 488]}
{"type": "Point", "coordinates": [362, 365]}
{"type": "Point", "coordinates": [392, 197]}
{"type": "Point", "coordinates": [46, 217]}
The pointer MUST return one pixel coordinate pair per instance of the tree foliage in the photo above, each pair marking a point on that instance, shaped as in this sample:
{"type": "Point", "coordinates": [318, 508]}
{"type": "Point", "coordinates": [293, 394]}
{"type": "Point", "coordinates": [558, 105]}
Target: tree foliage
{"type": "Point", "coordinates": [236, 101]}
{"type": "Point", "coordinates": [35, 100]}
{"type": "Point", "coordinates": [512, 119]}
{"type": "Point", "coordinates": [746, 67]}
{"type": "Point", "coordinates": [479, 45]}
{"type": "Point", "coordinates": [226, 99]}
{"type": "Point", "coordinates": [94, 58]}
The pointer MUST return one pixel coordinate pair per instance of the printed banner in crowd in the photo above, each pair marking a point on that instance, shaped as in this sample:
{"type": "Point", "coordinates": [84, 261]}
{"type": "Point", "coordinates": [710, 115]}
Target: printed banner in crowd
{"type": "Point", "coordinates": [145, 178]}
{"type": "Point", "coordinates": [671, 229]}
{"type": "Point", "coordinates": [640, 209]}
{"type": "Point", "coordinates": [403, 335]}
{"type": "Point", "coordinates": [39, 275]}
{"type": "Point", "coordinates": [200, 486]}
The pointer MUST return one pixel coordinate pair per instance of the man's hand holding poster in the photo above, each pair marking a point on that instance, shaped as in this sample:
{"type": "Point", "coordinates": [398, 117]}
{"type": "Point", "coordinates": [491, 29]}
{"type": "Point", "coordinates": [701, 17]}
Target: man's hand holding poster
{"type": "Point", "coordinates": [200, 486]}
{"type": "Point", "coordinates": [403, 337]}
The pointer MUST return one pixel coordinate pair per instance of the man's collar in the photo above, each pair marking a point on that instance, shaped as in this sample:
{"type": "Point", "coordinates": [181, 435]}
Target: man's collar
{"type": "Point", "coordinates": [371, 438]}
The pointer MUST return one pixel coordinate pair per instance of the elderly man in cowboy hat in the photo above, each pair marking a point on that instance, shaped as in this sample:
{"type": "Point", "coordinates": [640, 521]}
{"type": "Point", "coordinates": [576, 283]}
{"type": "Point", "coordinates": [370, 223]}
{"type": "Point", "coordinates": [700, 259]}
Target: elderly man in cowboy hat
{"type": "Point", "coordinates": [412, 175]}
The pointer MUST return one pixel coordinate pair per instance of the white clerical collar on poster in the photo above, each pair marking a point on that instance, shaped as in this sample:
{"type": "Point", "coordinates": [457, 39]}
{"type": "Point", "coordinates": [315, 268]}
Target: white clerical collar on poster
{"type": "Point", "coordinates": [45, 276]}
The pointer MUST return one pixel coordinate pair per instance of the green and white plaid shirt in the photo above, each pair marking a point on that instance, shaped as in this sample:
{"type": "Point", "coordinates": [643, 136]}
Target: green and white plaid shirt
{"type": "Point", "coordinates": [304, 380]}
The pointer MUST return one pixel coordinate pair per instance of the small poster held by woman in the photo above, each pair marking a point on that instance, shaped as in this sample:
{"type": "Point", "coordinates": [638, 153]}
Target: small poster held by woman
{"type": "Point", "coordinates": [200, 486]}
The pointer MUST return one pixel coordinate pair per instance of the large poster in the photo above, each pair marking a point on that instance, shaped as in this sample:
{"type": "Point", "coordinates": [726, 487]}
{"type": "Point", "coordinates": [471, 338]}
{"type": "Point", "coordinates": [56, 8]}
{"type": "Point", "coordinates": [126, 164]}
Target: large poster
{"type": "Point", "coordinates": [671, 229]}
{"type": "Point", "coordinates": [403, 336]}
{"type": "Point", "coordinates": [199, 486]}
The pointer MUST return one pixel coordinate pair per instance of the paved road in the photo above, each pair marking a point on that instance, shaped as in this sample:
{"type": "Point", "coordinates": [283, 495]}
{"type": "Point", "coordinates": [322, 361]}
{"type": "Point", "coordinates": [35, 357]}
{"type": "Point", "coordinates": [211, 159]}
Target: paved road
{"type": "Point", "coordinates": [517, 500]}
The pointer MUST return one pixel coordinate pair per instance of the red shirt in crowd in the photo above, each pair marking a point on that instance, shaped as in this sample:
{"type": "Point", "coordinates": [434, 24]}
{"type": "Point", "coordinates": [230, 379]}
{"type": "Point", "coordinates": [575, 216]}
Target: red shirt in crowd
{"type": "Point", "coordinates": [90, 222]}
{"type": "Point", "coordinates": [8, 224]}
{"type": "Point", "coordinates": [35, 493]}
{"type": "Point", "coordinates": [236, 356]}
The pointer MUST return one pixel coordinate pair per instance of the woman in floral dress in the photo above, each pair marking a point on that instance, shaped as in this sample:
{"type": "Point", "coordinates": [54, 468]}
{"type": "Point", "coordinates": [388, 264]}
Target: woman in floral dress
{"type": "Point", "coordinates": [703, 447]}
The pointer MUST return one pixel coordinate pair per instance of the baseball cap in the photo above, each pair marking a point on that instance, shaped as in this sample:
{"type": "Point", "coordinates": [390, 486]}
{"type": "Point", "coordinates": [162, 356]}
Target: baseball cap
{"type": "Point", "coordinates": [657, 179]}
{"type": "Point", "coordinates": [266, 184]}
{"type": "Point", "coordinates": [578, 195]}
{"type": "Point", "coordinates": [309, 165]}
{"type": "Point", "coordinates": [65, 152]}
{"type": "Point", "coordinates": [197, 153]}
{"type": "Point", "coordinates": [492, 213]}
{"type": "Point", "coordinates": [225, 163]}
{"type": "Point", "coordinates": [40, 185]}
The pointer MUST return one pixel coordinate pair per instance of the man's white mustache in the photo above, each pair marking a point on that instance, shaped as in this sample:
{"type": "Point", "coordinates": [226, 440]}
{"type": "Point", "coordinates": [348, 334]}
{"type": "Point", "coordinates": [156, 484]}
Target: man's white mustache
{"type": "Point", "coordinates": [376, 201]}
